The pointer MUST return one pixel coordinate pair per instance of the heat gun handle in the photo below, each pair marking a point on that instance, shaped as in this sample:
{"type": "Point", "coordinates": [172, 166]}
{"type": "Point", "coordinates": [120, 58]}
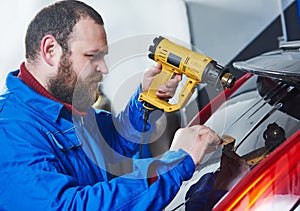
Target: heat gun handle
{"type": "Point", "coordinates": [160, 79]}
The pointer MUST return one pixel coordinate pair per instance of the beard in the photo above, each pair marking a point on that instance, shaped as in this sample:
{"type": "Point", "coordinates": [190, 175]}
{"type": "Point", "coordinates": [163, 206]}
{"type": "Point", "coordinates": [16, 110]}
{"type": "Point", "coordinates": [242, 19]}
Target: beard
{"type": "Point", "coordinates": [67, 87]}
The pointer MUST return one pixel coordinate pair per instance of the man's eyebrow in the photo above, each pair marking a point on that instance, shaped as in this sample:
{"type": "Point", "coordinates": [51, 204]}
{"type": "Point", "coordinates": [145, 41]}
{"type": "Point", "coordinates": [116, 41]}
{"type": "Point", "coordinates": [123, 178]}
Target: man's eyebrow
{"type": "Point", "coordinates": [96, 51]}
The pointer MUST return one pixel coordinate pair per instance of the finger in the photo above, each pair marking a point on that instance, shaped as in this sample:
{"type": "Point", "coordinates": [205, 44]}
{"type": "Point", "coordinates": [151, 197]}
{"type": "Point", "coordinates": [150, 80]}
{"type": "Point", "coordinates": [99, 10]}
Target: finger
{"type": "Point", "coordinates": [164, 95]}
{"type": "Point", "coordinates": [210, 149]}
{"type": "Point", "coordinates": [178, 77]}
{"type": "Point", "coordinates": [158, 66]}
{"type": "Point", "coordinates": [164, 92]}
{"type": "Point", "coordinates": [153, 71]}
{"type": "Point", "coordinates": [211, 138]}
{"type": "Point", "coordinates": [167, 90]}
{"type": "Point", "coordinates": [156, 69]}
{"type": "Point", "coordinates": [202, 128]}
{"type": "Point", "coordinates": [206, 130]}
{"type": "Point", "coordinates": [172, 83]}
{"type": "Point", "coordinates": [162, 89]}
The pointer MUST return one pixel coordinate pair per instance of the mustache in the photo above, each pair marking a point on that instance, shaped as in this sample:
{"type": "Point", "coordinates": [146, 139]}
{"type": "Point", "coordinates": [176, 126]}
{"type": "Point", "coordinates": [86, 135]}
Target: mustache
{"type": "Point", "coordinates": [94, 78]}
{"type": "Point", "coordinates": [98, 78]}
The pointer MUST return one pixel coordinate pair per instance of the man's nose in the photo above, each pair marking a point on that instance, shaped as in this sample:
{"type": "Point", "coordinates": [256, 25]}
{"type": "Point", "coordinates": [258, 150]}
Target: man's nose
{"type": "Point", "coordinates": [102, 67]}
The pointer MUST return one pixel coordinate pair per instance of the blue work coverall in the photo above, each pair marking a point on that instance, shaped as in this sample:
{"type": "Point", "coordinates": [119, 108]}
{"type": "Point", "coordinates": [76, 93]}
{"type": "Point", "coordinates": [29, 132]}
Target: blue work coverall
{"type": "Point", "coordinates": [53, 160]}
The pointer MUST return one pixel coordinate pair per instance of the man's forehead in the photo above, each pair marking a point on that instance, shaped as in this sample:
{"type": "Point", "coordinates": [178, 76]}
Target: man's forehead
{"type": "Point", "coordinates": [87, 32]}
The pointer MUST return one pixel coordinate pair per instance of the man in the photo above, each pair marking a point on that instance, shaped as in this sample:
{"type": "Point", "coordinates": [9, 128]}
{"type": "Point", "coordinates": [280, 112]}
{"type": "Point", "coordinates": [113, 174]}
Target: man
{"type": "Point", "coordinates": [56, 151]}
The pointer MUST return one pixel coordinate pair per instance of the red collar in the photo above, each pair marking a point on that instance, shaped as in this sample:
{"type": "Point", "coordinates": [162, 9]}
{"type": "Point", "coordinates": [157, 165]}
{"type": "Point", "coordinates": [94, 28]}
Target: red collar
{"type": "Point", "coordinates": [28, 79]}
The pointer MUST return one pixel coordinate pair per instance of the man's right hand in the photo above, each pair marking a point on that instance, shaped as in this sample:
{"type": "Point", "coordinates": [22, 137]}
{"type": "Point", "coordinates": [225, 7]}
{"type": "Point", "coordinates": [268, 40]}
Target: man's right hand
{"type": "Point", "coordinates": [165, 91]}
{"type": "Point", "coordinates": [196, 140]}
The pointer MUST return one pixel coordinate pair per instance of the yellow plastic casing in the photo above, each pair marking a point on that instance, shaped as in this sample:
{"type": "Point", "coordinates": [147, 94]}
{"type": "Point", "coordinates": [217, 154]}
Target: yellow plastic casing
{"type": "Point", "coordinates": [175, 59]}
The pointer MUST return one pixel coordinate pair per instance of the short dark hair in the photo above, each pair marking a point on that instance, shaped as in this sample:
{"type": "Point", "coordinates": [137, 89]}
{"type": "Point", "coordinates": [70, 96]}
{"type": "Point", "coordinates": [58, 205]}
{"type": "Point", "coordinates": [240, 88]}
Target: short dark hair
{"type": "Point", "coordinates": [58, 20]}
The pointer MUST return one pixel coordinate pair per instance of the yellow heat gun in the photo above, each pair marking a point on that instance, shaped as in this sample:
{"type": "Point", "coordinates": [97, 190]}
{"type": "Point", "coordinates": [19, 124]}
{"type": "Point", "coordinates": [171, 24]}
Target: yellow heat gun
{"type": "Point", "coordinates": [176, 59]}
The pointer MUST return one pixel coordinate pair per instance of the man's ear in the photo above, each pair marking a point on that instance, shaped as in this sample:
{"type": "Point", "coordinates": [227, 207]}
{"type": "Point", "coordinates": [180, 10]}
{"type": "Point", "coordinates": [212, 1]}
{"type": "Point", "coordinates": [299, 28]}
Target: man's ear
{"type": "Point", "coordinates": [50, 49]}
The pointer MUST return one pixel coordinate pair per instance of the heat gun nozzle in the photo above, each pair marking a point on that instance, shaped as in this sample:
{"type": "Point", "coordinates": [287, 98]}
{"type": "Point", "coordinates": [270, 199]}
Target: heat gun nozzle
{"type": "Point", "coordinates": [227, 80]}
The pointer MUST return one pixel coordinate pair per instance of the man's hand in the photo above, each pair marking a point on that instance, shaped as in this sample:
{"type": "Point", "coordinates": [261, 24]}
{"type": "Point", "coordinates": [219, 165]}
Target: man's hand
{"type": "Point", "coordinates": [166, 91]}
{"type": "Point", "coordinates": [196, 140]}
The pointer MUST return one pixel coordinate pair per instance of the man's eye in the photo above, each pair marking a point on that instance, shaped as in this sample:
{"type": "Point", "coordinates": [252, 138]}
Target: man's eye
{"type": "Point", "coordinates": [91, 56]}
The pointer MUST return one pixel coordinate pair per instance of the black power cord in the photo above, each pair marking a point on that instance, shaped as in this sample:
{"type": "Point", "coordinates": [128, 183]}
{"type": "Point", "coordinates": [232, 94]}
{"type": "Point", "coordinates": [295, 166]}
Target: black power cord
{"type": "Point", "coordinates": [148, 108]}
